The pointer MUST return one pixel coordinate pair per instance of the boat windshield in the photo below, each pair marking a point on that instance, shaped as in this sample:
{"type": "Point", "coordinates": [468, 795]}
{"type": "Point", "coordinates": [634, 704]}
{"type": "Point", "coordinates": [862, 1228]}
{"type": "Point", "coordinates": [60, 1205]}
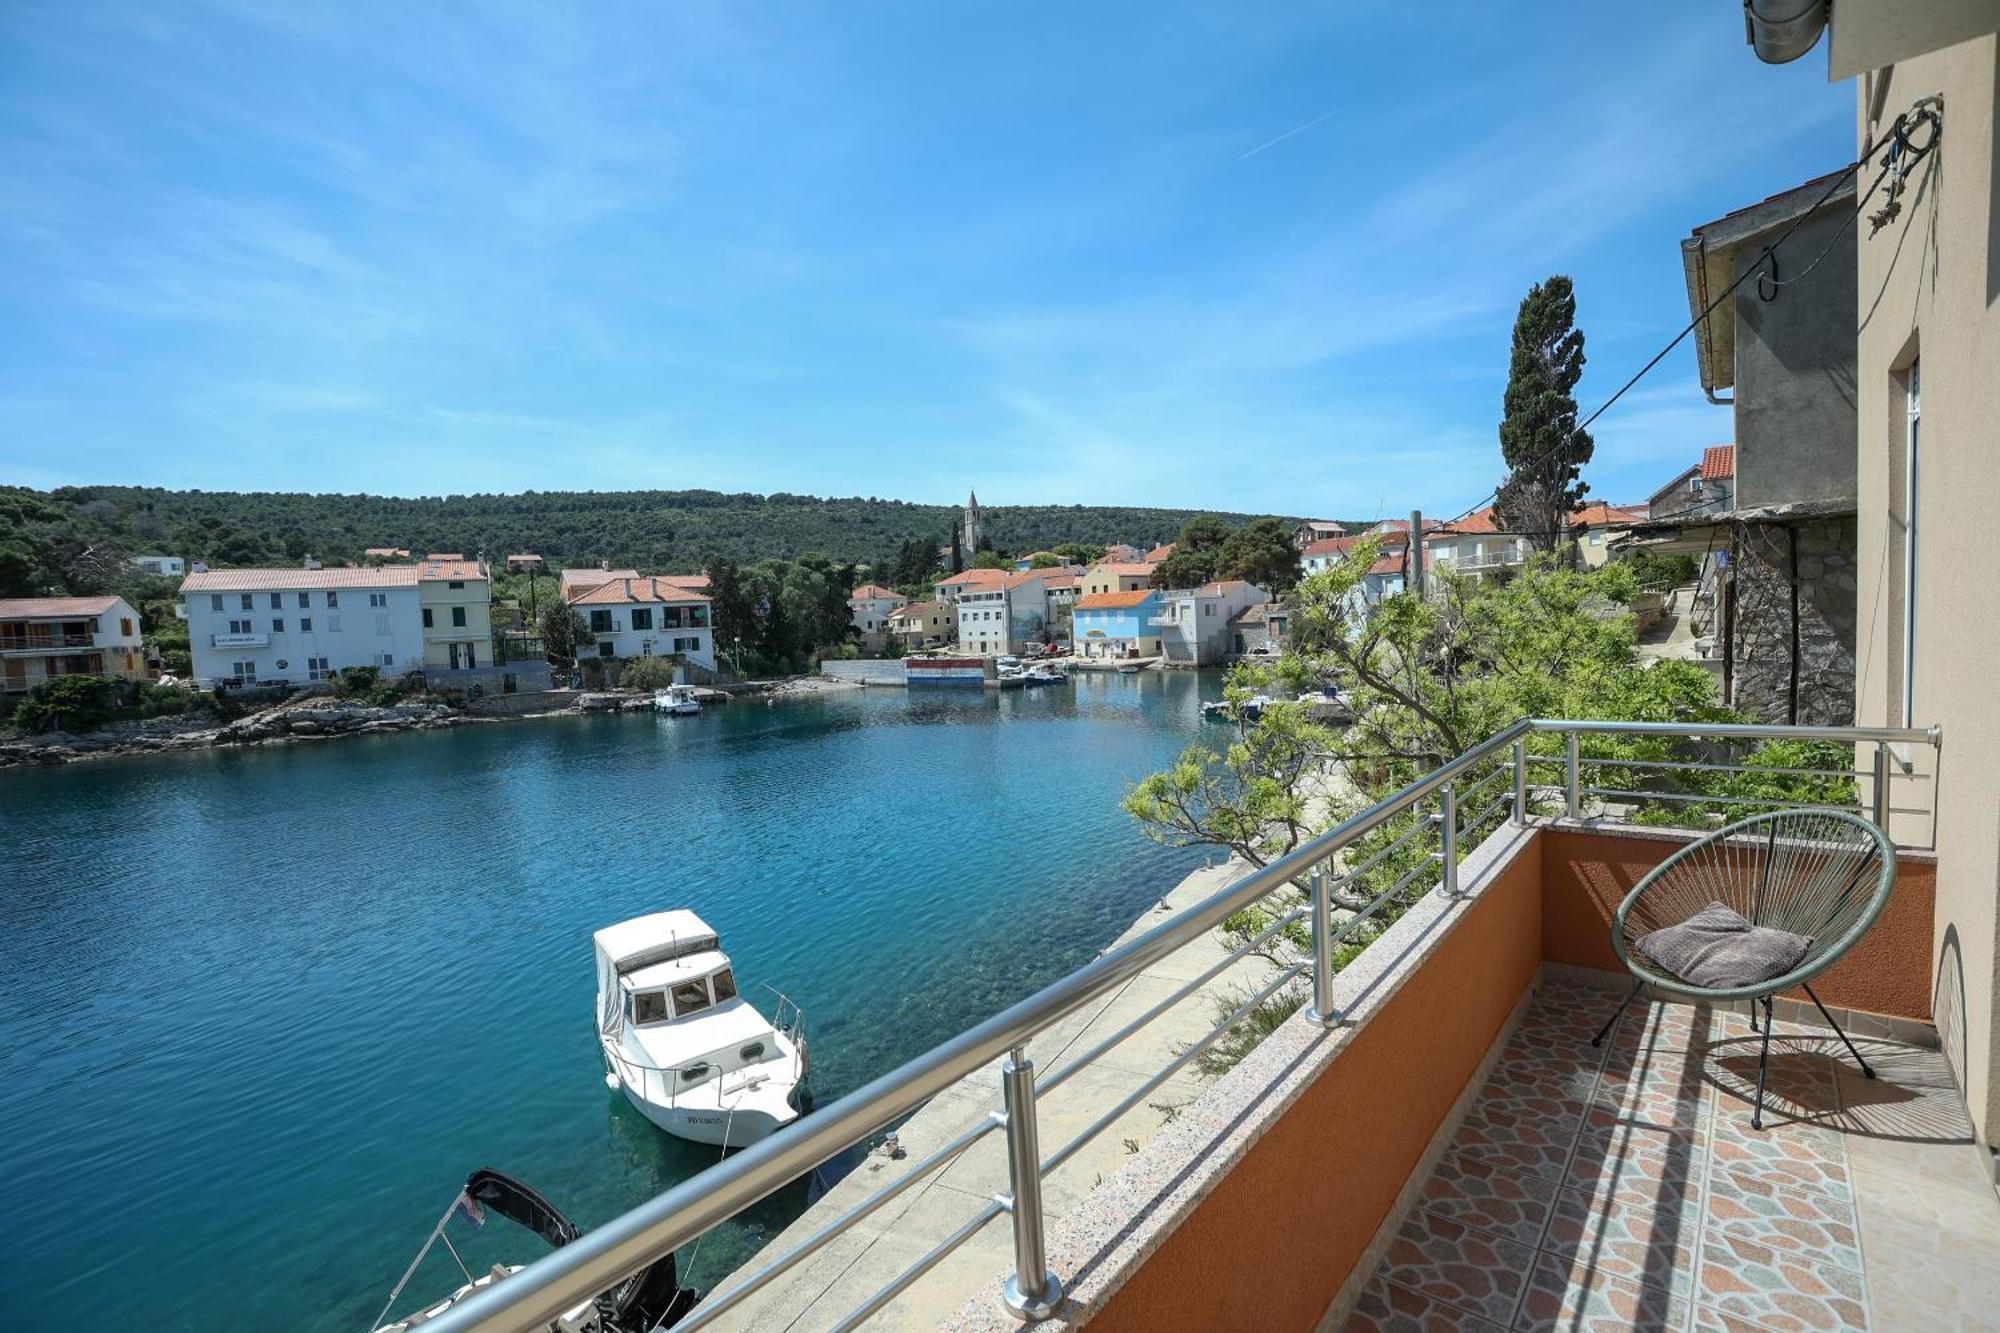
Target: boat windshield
{"type": "Point", "coordinates": [649, 1006]}
{"type": "Point", "coordinates": [690, 997]}
{"type": "Point", "coordinates": [725, 985]}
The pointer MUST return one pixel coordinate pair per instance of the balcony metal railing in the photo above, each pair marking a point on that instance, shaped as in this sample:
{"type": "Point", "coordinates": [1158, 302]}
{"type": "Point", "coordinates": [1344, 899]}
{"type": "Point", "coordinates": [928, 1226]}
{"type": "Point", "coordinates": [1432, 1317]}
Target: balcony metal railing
{"type": "Point", "coordinates": [1343, 882]}
{"type": "Point", "coordinates": [44, 643]}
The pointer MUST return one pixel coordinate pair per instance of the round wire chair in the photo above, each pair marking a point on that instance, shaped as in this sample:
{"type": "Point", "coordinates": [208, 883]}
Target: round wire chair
{"type": "Point", "coordinates": [1822, 874]}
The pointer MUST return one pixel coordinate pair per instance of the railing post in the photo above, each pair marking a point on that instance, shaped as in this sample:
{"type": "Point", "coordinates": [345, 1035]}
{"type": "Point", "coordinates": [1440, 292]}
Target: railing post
{"type": "Point", "coordinates": [1320, 1011]}
{"type": "Point", "coordinates": [1882, 785]}
{"type": "Point", "coordinates": [1448, 837]}
{"type": "Point", "coordinates": [1033, 1291]}
{"type": "Point", "coordinates": [1573, 781]}
{"type": "Point", "coordinates": [1521, 781]}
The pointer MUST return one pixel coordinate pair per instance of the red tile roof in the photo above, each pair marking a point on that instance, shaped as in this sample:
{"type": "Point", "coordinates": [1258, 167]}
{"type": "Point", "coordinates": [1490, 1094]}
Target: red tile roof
{"type": "Point", "coordinates": [31, 607]}
{"type": "Point", "coordinates": [1390, 541]}
{"type": "Point", "coordinates": [1124, 570]}
{"type": "Point", "coordinates": [449, 567]}
{"type": "Point", "coordinates": [1159, 553]}
{"type": "Point", "coordinates": [1718, 462]}
{"type": "Point", "coordinates": [618, 592]}
{"type": "Point", "coordinates": [1221, 587]}
{"type": "Point", "coordinates": [917, 611]}
{"type": "Point", "coordinates": [974, 577]}
{"type": "Point", "coordinates": [1602, 514]}
{"type": "Point", "coordinates": [870, 592]}
{"type": "Point", "coordinates": [1113, 601]}
{"type": "Point", "coordinates": [573, 581]}
{"type": "Point", "coordinates": [272, 580]}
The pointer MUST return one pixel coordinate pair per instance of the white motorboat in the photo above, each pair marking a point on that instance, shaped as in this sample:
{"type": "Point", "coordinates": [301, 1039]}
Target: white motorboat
{"type": "Point", "coordinates": [651, 1299]}
{"type": "Point", "coordinates": [677, 699]}
{"type": "Point", "coordinates": [694, 1056]}
{"type": "Point", "coordinates": [1045, 675]}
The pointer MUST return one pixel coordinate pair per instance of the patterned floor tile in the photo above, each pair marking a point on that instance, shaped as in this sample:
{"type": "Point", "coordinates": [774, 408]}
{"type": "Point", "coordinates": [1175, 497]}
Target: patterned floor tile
{"type": "Point", "coordinates": [1473, 1193]}
{"type": "Point", "coordinates": [1797, 1156]}
{"type": "Point", "coordinates": [1634, 1154]}
{"type": "Point", "coordinates": [1814, 1225]}
{"type": "Point", "coordinates": [1778, 1290]}
{"type": "Point", "coordinates": [1632, 1233]}
{"type": "Point", "coordinates": [1467, 1269]}
{"type": "Point", "coordinates": [1567, 1297]}
{"type": "Point", "coordinates": [1387, 1308]}
{"type": "Point", "coordinates": [1678, 1097]}
{"type": "Point", "coordinates": [1710, 1320]}
{"type": "Point", "coordinates": [1512, 1149]}
{"type": "Point", "coordinates": [1523, 1075]}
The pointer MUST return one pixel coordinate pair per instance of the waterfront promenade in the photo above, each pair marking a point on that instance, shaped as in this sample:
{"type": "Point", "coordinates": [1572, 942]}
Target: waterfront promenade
{"type": "Point", "coordinates": [851, 1268]}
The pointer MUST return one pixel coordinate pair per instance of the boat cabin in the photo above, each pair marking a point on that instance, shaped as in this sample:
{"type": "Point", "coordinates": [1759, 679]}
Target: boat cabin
{"type": "Point", "coordinates": [679, 988]}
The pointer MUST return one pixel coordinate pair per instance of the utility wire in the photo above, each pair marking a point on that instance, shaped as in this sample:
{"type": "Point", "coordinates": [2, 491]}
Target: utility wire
{"type": "Point", "coordinates": [1898, 134]}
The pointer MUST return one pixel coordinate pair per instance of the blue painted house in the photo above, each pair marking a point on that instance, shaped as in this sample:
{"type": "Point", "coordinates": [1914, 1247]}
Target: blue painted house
{"type": "Point", "coordinates": [1118, 624]}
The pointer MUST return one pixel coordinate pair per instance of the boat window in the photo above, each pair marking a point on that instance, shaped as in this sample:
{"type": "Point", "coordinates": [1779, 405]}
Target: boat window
{"type": "Point", "coordinates": [690, 997]}
{"type": "Point", "coordinates": [752, 1053]}
{"type": "Point", "coordinates": [649, 1006]}
{"type": "Point", "coordinates": [725, 985]}
{"type": "Point", "coordinates": [694, 1073]}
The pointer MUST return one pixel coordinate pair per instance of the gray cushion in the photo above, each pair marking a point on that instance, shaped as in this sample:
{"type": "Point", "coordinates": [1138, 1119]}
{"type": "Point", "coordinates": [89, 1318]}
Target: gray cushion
{"type": "Point", "coordinates": [1718, 949]}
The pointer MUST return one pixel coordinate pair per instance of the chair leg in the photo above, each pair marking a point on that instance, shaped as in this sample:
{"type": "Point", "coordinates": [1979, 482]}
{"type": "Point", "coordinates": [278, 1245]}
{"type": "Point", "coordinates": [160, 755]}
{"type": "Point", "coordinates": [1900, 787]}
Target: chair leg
{"type": "Point", "coordinates": [1763, 1062]}
{"type": "Point", "coordinates": [1612, 1021]}
{"type": "Point", "coordinates": [1866, 1072]}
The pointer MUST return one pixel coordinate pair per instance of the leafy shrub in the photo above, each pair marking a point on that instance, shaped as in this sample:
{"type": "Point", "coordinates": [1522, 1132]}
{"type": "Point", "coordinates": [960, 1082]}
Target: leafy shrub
{"type": "Point", "coordinates": [646, 673]}
{"type": "Point", "coordinates": [153, 700]}
{"type": "Point", "coordinates": [357, 682]}
{"type": "Point", "coordinates": [71, 703]}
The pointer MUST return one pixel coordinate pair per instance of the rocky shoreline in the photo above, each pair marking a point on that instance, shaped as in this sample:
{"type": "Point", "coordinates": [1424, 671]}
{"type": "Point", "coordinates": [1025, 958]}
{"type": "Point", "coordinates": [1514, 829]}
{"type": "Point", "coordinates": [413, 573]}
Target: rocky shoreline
{"type": "Point", "coordinates": [323, 717]}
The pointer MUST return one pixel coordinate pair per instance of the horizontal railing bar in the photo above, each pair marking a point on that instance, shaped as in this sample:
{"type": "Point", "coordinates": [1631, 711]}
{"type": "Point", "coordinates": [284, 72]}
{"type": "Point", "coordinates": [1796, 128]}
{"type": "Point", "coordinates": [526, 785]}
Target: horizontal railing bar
{"type": "Point", "coordinates": [1720, 768]}
{"type": "Point", "coordinates": [1744, 731]}
{"type": "Point", "coordinates": [1723, 800]}
{"type": "Point", "coordinates": [1423, 825]}
{"type": "Point", "coordinates": [1465, 796]}
{"type": "Point", "coordinates": [1501, 803]}
{"type": "Point", "coordinates": [1056, 1078]}
{"type": "Point", "coordinates": [1395, 890]}
{"type": "Point", "coordinates": [716, 1306]}
{"type": "Point", "coordinates": [1174, 1066]}
{"type": "Point", "coordinates": [931, 1259]}
{"type": "Point", "coordinates": [606, 1255]}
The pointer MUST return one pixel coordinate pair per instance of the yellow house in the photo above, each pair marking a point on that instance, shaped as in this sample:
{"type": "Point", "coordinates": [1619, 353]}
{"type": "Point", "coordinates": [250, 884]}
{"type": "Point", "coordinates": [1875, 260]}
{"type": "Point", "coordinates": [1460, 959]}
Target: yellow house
{"type": "Point", "coordinates": [456, 604]}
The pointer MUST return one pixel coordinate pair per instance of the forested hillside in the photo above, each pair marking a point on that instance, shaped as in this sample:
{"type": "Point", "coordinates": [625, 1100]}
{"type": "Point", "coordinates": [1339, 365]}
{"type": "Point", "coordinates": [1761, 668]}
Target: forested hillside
{"type": "Point", "coordinates": [69, 539]}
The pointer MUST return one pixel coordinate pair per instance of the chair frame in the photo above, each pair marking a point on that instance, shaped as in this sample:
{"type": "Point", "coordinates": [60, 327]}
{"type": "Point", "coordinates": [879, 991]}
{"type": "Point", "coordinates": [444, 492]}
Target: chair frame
{"type": "Point", "coordinates": [1881, 860]}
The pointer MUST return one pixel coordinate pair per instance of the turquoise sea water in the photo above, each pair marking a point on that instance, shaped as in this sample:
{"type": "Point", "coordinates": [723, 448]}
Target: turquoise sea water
{"type": "Point", "coordinates": [260, 1012]}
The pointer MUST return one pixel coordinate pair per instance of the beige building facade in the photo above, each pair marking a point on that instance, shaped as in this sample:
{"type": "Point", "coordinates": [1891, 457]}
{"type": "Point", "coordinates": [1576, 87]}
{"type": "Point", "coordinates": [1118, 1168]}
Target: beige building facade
{"type": "Point", "coordinates": [455, 601]}
{"type": "Point", "coordinates": [1928, 403]}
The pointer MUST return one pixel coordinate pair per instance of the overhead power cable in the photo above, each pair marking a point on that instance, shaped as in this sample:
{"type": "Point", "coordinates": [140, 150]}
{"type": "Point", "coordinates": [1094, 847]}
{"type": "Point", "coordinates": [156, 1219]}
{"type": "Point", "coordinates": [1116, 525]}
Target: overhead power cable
{"type": "Point", "coordinates": [1905, 156]}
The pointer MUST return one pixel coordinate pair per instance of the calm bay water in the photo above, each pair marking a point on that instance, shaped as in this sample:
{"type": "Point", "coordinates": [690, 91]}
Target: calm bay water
{"type": "Point", "coordinates": [261, 1012]}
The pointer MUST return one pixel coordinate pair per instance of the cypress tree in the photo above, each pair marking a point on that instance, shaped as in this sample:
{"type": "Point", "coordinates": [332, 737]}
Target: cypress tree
{"type": "Point", "coordinates": [1539, 440]}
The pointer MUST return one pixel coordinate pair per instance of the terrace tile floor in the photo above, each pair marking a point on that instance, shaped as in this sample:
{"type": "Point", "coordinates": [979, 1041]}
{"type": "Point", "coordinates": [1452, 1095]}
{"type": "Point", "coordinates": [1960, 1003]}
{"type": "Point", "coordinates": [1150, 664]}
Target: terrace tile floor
{"type": "Point", "coordinates": [1622, 1187]}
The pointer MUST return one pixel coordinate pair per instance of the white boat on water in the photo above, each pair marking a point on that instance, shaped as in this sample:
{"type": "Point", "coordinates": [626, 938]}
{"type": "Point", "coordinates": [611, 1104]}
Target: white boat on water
{"type": "Point", "coordinates": [694, 1056]}
{"type": "Point", "coordinates": [677, 699]}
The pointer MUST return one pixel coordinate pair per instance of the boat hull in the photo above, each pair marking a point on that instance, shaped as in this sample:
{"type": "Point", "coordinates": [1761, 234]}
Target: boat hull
{"type": "Point", "coordinates": [712, 1125]}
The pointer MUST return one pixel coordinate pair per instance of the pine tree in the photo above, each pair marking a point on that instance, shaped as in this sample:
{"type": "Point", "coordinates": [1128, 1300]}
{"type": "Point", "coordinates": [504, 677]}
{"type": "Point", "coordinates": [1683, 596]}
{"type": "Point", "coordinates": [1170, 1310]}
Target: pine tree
{"type": "Point", "coordinates": [1539, 439]}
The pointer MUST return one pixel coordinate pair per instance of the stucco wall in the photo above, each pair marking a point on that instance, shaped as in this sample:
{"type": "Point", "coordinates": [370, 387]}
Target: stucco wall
{"type": "Point", "coordinates": [1814, 622]}
{"type": "Point", "coordinates": [1308, 1196]}
{"type": "Point", "coordinates": [1929, 286]}
{"type": "Point", "coordinates": [1795, 370]}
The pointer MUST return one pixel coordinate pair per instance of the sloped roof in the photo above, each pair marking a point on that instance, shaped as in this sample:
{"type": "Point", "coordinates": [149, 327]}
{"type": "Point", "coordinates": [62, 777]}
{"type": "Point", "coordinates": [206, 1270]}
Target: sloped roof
{"type": "Point", "coordinates": [32, 607]}
{"type": "Point", "coordinates": [1159, 553]}
{"type": "Point", "coordinates": [867, 592]}
{"type": "Point", "coordinates": [1123, 570]}
{"type": "Point", "coordinates": [1718, 462]}
{"type": "Point", "coordinates": [449, 567]}
{"type": "Point", "coordinates": [1115, 601]}
{"type": "Point", "coordinates": [1221, 587]}
{"type": "Point", "coordinates": [618, 592]}
{"type": "Point", "coordinates": [972, 577]}
{"type": "Point", "coordinates": [573, 581]}
{"type": "Point", "coordinates": [1602, 514]}
{"type": "Point", "coordinates": [273, 580]}
{"type": "Point", "coordinates": [917, 611]}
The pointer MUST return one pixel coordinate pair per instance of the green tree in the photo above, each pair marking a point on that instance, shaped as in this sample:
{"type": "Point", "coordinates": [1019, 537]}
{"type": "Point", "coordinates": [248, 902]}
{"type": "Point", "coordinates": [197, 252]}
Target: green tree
{"type": "Point", "coordinates": [646, 673]}
{"type": "Point", "coordinates": [564, 633]}
{"type": "Point", "coordinates": [1539, 439]}
{"type": "Point", "coordinates": [986, 558]}
{"type": "Point", "coordinates": [1044, 560]}
{"type": "Point", "coordinates": [1080, 553]}
{"type": "Point", "coordinates": [1261, 552]}
{"type": "Point", "coordinates": [1197, 556]}
{"type": "Point", "coordinates": [67, 703]}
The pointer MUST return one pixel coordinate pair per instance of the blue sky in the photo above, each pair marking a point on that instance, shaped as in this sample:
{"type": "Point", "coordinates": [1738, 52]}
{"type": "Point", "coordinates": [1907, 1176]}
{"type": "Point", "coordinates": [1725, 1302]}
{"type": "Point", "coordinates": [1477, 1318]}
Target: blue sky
{"type": "Point", "coordinates": [1254, 257]}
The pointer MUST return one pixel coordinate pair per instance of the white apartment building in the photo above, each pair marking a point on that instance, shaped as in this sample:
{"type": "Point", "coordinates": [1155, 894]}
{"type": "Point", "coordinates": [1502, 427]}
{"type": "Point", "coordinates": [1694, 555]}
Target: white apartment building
{"type": "Point", "coordinates": [644, 616]}
{"type": "Point", "coordinates": [162, 566]}
{"type": "Point", "coordinates": [1194, 625]}
{"type": "Point", "coordinates": [1008, 616]}
{"type": "Point", "coordinates": [871, 606]}
{"type": "Point", "coordinates": [296, 626]}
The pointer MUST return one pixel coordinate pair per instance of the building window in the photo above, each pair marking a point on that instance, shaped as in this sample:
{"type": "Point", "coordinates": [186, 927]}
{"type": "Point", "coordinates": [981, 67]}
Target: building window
{"type": "Point", "coordinates": [388, 659]}
{"type": "Point", "coordinates": [277, 624]}
{"type": "Point", "coordinates": [248, 603]}
{"type": "Point", "coordinates": [378, 599]}
{"type": "Point", "coordinates": [215, 601]}
{"type": "Point", "coordinates": [124, 627]}
{"type": "Point", "coordinates": [316, 668]}
{"type": "Point", "coordinates": [688, 645]}
{"type": "Point", "coordinates": [458, 617]}
{"type": "Point", "coordinates": [1911, 437]}
{"type": "Point", "coordinates": [277, 601]}
{"type": "Point", "coordinates": [670, 617]}
{"type": "Point", "coordinates": [245, 671]}
{"type": "Point", "coordinates": [239, 627]}
{"type": "Point", "coordinates": [332, 599]}
{"type": "Point", "coordinates": [305, 600]}
{"type": "Point", "coordinates": [600, 623]}
{"type": "Point", "coordinates": [456, 583]}
{"type": "Point", "coordinates": [427, 617]}
{"type": "Point", "coordinates": [305, 624]}
{"type": "Point", "coordinates": [604, 650]}
{"type": "Point", "coordinates": [642, 618]}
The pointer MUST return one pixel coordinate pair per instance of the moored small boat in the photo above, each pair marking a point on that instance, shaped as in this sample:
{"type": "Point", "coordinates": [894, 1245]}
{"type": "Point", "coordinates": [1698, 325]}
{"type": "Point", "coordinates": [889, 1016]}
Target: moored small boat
{"type": "Point", "coordinates": [650, 1299]}
{"type": "Point", "coordinates": [694, 1056]}
{"type": "Point", "coordinates": [679, 700]}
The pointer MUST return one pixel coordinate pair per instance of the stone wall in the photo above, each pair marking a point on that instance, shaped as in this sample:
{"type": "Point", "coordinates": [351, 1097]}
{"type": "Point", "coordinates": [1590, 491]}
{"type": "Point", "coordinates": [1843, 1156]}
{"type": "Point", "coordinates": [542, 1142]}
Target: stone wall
{"type": "Point", "coordinates": [868, 671]}
{"type": "Point", "coordinates": [1761, 652]}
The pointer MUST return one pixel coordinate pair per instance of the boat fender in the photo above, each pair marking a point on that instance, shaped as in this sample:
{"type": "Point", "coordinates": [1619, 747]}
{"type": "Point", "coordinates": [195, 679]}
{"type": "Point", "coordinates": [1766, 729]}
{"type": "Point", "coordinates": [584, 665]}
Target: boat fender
{"type": "Point", "coordinates": [611, 1080]}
